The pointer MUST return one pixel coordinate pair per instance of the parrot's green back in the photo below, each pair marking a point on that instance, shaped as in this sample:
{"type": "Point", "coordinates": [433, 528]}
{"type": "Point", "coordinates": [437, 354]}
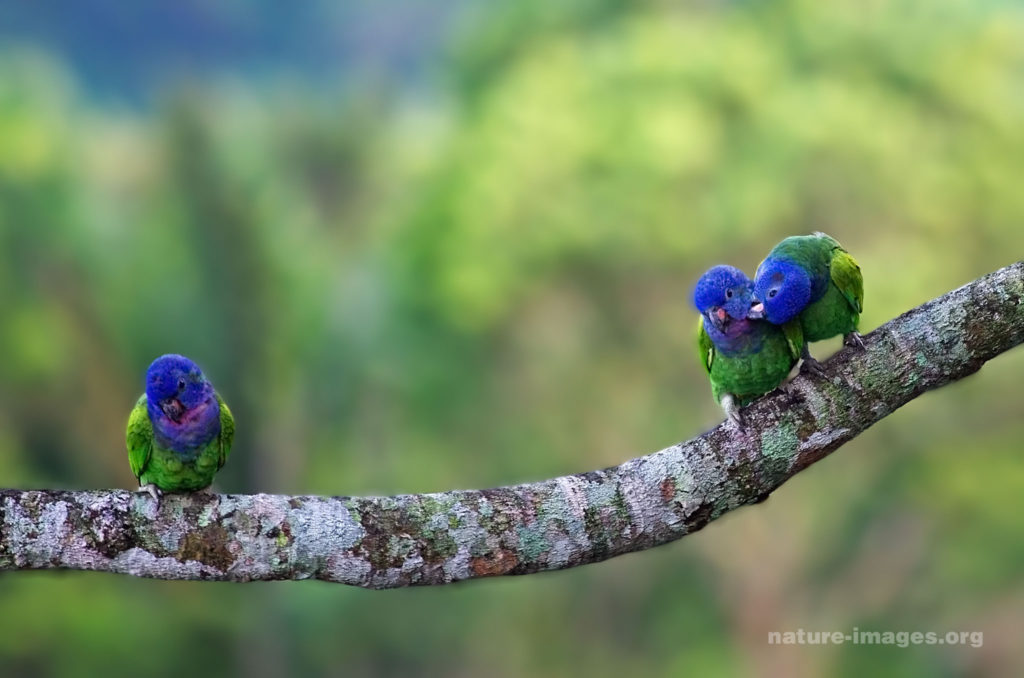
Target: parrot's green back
{"type": "Point", "coordinates": [751, 373]}
{"type": "Point", "coordinates": [838, 310]}
{"type": "Point", "coordinates": [169, 470]}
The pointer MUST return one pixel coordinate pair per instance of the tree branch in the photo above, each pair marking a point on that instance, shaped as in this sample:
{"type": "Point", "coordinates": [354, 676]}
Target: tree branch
{"type": "Point", "coordinates": [385, 542]}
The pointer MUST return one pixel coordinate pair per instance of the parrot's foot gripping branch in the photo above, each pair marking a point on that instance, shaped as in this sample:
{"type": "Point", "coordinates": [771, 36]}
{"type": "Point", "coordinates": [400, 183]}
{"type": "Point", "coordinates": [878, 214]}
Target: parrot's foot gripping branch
{"type": "Point", "coordinates": [152, 490]}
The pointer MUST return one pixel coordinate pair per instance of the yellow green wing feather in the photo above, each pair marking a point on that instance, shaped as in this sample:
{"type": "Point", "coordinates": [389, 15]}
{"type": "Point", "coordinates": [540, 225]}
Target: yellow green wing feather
{"type": "Point", "coordinates": [705, 347]}
{"type": "Point", "coordinates": [846, 275]}
{"type": "Point", "coordinates": [227, 431]}
{"type": "Point", "coordinates": [794, 337]}
{"type": "Point", "coordinates": [139, 437]}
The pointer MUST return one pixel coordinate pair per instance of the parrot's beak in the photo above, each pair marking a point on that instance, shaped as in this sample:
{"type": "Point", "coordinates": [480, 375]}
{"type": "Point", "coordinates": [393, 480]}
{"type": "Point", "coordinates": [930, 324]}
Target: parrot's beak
{"type": "Point", "coordinates": [756, 311]}
{"type": "Point", "coordinates": [718, 317]}
{"type": "Point", "coordinates": [173, 408]}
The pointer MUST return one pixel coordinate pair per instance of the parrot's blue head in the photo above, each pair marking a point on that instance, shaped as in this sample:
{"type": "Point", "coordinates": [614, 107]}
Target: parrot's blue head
{"type": "Point", "coordinates": [781, 290]}
{"type": "Point", "coordinates": [176, 387]}
{"type": "Point", "coordinates": [723, 294]}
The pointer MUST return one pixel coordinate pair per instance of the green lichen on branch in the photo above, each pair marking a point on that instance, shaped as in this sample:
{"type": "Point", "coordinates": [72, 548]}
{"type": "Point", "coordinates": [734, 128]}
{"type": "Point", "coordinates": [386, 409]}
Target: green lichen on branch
{"type": "Point", "coordinates": [385, 542]}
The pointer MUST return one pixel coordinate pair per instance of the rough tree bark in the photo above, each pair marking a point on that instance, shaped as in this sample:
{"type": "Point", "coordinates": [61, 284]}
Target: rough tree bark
{"type": "Point", "coordinates": [384, 542]}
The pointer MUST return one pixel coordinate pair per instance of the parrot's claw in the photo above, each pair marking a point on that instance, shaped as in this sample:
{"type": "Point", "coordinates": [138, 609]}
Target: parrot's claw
{"type": "Point", "coordinates": [812, 366]}
{"type": "Point", "coordinates": [153, 491]}
{"type": "Point", "coordinates": [854, 339]}
{"type": "Point", "coordinates": [732, 412]}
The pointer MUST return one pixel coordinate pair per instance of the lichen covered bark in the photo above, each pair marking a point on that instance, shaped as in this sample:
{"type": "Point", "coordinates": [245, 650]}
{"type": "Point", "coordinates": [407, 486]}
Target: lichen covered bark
{"type": "Point", "coordinates": [384, 542]}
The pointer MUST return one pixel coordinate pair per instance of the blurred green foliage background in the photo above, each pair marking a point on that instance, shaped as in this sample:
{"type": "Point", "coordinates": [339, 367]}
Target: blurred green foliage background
{"type": "Point", "coordinates": [422, 247]}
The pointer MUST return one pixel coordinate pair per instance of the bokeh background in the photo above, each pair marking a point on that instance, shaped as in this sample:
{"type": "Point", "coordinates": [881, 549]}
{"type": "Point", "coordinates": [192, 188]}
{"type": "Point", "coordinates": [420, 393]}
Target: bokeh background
{"type": "Point", "coordinates": [422, 246]}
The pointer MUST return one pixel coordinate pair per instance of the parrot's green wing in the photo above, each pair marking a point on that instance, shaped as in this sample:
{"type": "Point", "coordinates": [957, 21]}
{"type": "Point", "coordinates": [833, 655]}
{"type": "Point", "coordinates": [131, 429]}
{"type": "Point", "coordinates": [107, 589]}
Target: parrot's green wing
{"type": "Point", "coordinates": [846, 276]}
{"type": "Point", "coordinates": [794, 337]}
{"type": "Point", "coordinates": [705, 348]}
{"type": "Point", "coordinates": [227, 431]}
{"type": "Point", "coordinates": [139, 437]}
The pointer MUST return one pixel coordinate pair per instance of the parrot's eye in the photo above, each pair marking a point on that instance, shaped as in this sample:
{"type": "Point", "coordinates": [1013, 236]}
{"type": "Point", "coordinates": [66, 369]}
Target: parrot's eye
{"type": "Point", "coordinates": [728, 294]}
{"type": "Point", "coordinates": [772, 294]}
{"type": "Point", "coordinates": [181, 384]}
